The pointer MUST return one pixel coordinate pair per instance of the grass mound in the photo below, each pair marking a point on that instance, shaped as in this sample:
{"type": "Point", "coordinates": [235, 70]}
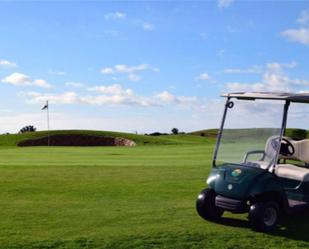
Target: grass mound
{"type": "Point", "coordinates": [12, 140]}
{"type": "Point", "coordinates": [294, 133]}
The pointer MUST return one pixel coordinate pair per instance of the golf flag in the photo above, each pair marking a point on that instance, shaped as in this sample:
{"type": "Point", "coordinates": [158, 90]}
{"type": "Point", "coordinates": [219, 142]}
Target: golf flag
{"type": "Point", "coordinates": [45, 106]}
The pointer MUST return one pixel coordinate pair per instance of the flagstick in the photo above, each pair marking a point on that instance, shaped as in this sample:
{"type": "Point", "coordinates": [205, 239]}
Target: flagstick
{"type": "Point", "coordinates": [47, 109]}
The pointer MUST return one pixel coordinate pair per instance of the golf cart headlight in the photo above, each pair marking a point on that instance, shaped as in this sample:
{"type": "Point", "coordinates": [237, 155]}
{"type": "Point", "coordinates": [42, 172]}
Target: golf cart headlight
{"type": "Point", "coordinates": [200, 196]}
{"type": "Point", "coordinates": [212, 178]}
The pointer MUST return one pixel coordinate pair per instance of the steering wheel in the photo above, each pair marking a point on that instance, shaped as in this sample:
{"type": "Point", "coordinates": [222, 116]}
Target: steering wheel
{"type": "Point", "coordinates": [287, 148]}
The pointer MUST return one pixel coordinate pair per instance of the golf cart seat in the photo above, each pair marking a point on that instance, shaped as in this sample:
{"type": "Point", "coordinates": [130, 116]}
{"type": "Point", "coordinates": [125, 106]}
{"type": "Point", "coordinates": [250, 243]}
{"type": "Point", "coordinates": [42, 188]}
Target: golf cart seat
{"type": "Point", "coordinates": [291, 171]}
{"type": "Point", "coordinates": [301, 150]}
{"type": "Point", "coordinates": [301, 153]}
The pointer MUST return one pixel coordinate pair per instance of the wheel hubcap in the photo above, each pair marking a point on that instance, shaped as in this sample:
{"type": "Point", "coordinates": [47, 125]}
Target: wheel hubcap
{"type": "Point", "coordinates": [270, 216]}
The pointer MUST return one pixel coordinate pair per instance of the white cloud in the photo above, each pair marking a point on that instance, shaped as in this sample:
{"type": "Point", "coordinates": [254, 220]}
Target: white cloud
{"type": "Point", "coordinates": [115, 15]}
{"type": "Point", "coordinates": [64, 98]}
{"type": "Point", "coordinates": [273, 79]}
{"type": "Point", "coordinates": [253, 69]}
{"type": "Point", "coordinates": [133, 77]}
{"type": "Point", "coordinates": [275, 66]}
{"type": "Point", "coordinates": [304, 17]}
{"type": "Point", "coordinates": [203, 76]}
{"type": "Point", "coordinates": [106, 95]}
{"type": "Point", "coordinates": [20, 79]}
{"type": "Point", "coordinates": [129, 70]}
{"type": "Point", "coordinates": [300, 35]}
{"type": "Point", "coordinates": [115, 89]}
{"type": "Point", "coordinates": [169, 98]}
{"type": "Point", "coordinates": [114, 95]}
{"type": "Point", "coordinates": [224, 3]}
{"type": "Point", "coordinates": [239, 87]}
{"type": "Point", "coordinates": [257, 69]}
{"type": "Point", "coordinates": [107, 70]}
{"type": "Point", "coordinates": [148, 26]}
{"type": "Point", "coordinates": [41, 83]}
{"type": "Point", "coordinates": [117, 100]}
{"type": "Point", "coordinates": [6, 63]}
{"type": "Point", "coordinates": [74, 84]}
{"type": "Point", "coordinates": [123, 68]}
{"type": "Point", "coordinates": [165, 96]}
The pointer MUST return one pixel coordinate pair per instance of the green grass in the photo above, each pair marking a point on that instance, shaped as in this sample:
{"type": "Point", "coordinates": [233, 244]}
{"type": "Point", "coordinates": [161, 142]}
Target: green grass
{"type": "Point", "coordinates": [120, 197]}
{"type": "Point", "coordinates": [12, 139]}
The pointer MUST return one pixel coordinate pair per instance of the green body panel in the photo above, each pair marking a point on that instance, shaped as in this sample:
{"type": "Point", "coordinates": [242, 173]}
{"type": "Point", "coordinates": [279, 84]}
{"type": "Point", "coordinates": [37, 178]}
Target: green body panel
{"type": "Point", "coordinates": [296, 190]}
{"type": "Point", "coordinates": [268, 183]}
{"type": "Point", "coordinates": [249, 182]}
{"type": "Point", "coordinates": [241, 182]}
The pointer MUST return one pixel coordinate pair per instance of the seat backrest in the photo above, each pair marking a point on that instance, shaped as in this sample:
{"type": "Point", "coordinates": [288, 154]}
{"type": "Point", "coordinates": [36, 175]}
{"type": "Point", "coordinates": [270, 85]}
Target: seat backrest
{"type": "Point", "coordinates": [301, 150]}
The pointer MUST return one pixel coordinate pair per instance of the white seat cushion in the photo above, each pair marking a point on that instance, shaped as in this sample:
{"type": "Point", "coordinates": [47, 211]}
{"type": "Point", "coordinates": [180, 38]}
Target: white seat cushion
{"type": "Point", "coordinates": [292, 172]}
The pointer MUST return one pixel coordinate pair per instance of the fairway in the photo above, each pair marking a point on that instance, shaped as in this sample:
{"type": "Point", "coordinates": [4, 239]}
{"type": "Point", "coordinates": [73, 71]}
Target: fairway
{"type": "Point", "coordinates": [119, 197]}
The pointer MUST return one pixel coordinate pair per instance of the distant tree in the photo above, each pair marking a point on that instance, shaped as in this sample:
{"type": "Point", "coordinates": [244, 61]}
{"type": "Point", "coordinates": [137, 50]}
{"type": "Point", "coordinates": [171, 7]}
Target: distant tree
{"type": "Point", "coordinates": [202, 134]}
{"type": "Point", "coordinates": [28, 128]}
{"type": "Point", "coordinates": [175, 131]}
{"type": "Point", "coordinates": [298, 134]}
{"type": "Point", "coordinates": [157, 134]}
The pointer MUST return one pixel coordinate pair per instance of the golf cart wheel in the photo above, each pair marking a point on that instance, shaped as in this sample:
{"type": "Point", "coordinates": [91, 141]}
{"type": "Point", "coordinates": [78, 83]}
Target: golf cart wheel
{"type": "Point", "coordinates": [205, 205]}
{"type": "Point", "coordinates": [263, 216]}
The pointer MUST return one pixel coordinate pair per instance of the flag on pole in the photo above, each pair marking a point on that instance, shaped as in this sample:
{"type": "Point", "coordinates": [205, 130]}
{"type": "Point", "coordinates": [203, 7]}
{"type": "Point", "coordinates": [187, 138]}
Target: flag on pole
{"type": "Point", "coordinates": [45, 106]}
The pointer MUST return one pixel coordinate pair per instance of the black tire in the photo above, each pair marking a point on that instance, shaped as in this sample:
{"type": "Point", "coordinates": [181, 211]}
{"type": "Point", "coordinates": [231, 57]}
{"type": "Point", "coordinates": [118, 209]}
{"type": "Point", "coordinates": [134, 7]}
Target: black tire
{"type": "Point", "coordinates": [264, 216]}
{"type": "Point", "coordinates": [205, 205]}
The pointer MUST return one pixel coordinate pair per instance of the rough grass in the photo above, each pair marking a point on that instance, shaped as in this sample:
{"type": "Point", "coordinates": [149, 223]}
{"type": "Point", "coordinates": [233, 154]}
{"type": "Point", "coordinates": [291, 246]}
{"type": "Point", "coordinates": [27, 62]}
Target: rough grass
{"type": "Point", "coordinates": [119, 197]}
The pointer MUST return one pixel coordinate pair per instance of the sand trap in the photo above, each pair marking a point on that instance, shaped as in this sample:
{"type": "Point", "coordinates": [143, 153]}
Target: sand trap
{"type": "Point", "coordinates": [77, 140]}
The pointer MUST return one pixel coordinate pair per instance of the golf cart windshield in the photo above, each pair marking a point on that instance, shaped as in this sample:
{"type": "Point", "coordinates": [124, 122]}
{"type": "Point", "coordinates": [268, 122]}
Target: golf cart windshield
{"type": "Point", "coordinates": [251, 133]}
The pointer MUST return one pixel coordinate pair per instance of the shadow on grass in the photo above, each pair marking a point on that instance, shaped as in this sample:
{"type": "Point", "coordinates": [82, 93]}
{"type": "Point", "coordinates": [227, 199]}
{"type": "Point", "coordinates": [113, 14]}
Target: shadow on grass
{"type": "Point", "coordinates": [295, 226]}
{"type": "Point", "coordinates": [233, 222]}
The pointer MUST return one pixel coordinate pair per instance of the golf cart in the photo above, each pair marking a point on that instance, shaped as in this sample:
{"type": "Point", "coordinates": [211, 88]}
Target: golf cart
{"type": "Point", "coordinates": [256, 170]}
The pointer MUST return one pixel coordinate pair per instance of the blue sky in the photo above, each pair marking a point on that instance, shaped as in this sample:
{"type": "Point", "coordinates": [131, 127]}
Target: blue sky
{"type": "Point", "coordinates": [145, 66]}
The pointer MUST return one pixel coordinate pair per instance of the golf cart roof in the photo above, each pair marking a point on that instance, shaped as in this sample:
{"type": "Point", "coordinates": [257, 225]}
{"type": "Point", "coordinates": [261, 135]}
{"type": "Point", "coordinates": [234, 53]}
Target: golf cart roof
{"type": "Point", "coordinates": [293, 97]}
